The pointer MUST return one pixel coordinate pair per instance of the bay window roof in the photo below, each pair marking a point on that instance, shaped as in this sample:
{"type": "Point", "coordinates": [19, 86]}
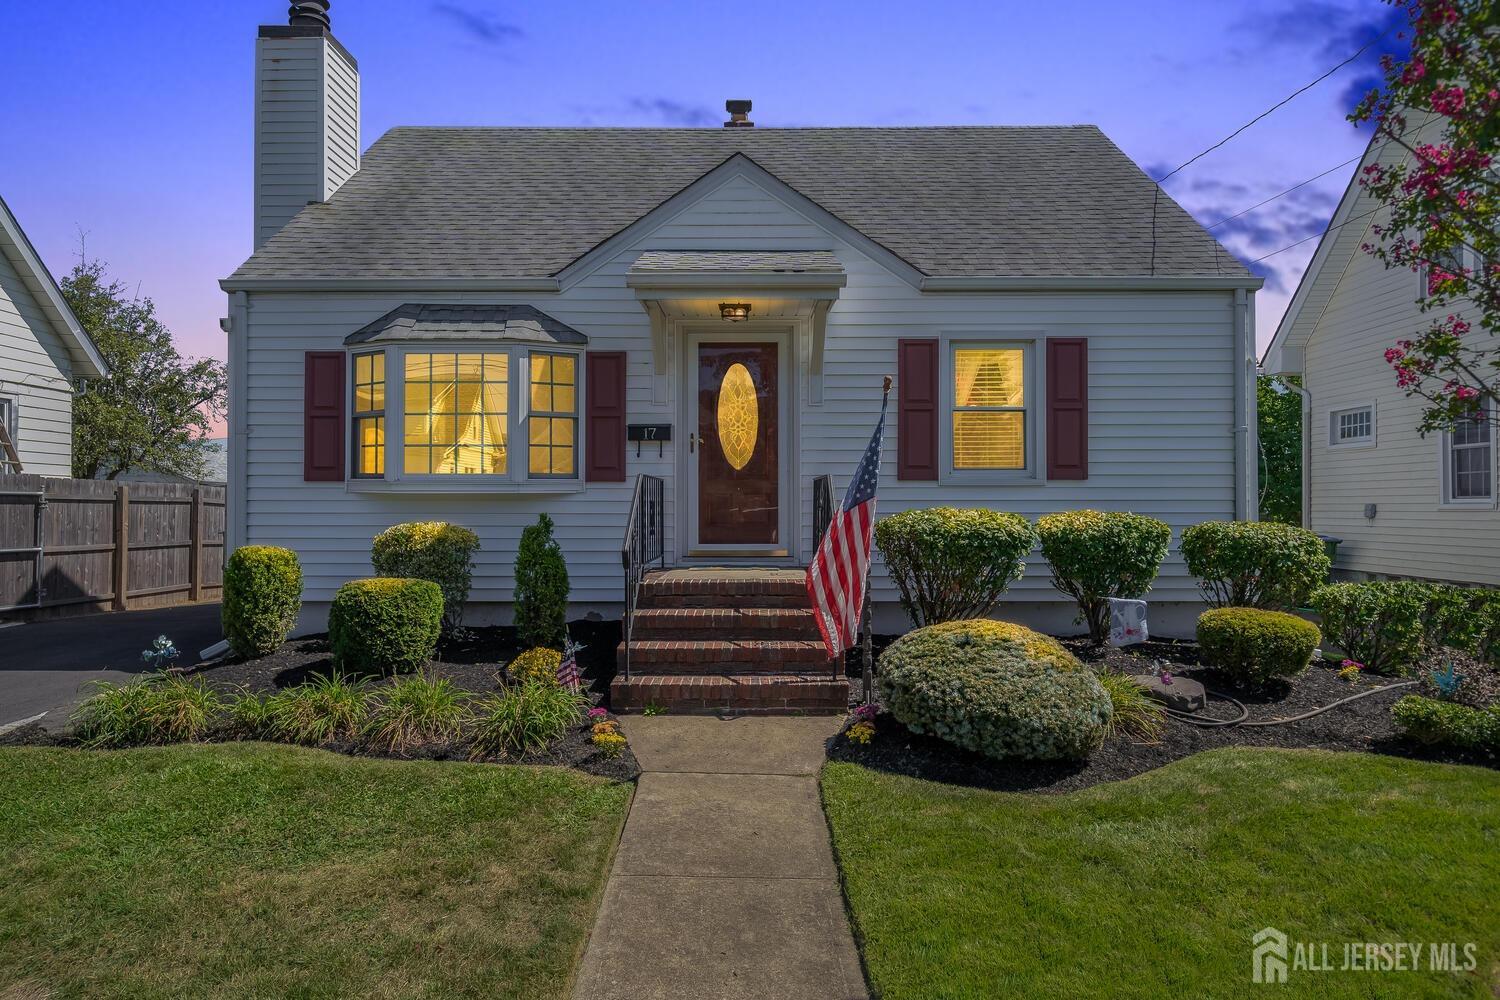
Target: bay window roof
{"type": "Point", "coordinates": [431, 322]}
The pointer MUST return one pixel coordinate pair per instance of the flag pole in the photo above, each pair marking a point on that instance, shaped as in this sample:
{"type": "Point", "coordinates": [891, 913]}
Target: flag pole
{"type": "Point", "coordinates": [867, 656]}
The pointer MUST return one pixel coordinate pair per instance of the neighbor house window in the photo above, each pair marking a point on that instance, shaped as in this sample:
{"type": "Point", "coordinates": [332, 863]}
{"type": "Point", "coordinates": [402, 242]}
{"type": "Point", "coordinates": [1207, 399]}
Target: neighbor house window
{"type": "Point", "coordinates": [455, 414]}
{"type": "Point", "coordinates": [988, 413]}
{"type": "Point", "coordinates": [1469, 461]}
{"type": "Point", "coordinates": [369, 414]}
{"type": "Point", "coordinates": [1352, 426]}
{"type": "Point", "coordinates": [552, 424]}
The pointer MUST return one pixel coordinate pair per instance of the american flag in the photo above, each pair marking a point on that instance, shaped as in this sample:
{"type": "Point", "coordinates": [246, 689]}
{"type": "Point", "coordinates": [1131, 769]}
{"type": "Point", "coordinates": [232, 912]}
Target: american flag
{"type": "Point", "coordinates": [836, 577]}
{"type": "Point", "coordinates": [567, 670]}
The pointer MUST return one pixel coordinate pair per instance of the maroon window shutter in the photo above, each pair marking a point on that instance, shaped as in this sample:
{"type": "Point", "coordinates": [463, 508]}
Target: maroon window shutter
{"type": "Point", "coordinates": [604, 389]}
{"type": "Point", "coordinates": [323, 444]}
{"type": "Point", "coordinates": [917, 409]}
{"type": "Point", "coordinates": [1067, 408]}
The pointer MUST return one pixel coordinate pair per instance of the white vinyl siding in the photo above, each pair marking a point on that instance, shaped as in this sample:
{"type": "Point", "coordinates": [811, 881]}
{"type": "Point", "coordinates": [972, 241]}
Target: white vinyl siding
{"type": "Point", "coordinates": [35, 374]}
{"type": "Point", "coordinates": [1160, 399]}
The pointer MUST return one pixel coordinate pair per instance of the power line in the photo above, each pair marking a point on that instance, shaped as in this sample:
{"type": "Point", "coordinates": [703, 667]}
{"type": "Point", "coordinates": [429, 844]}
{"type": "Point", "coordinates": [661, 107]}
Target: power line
{"type": "Point", "coordinates": [1314, 236]}
{"type": "Point", "coordinates": [1283, 102]}
{"type": "Point", "coordinates": [1236, 215]}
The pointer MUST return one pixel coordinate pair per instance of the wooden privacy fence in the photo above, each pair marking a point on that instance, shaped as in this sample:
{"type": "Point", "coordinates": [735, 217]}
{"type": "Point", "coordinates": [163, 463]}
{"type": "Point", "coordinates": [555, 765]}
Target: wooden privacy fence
{"type": "Point", "coordinates": [71, 546]}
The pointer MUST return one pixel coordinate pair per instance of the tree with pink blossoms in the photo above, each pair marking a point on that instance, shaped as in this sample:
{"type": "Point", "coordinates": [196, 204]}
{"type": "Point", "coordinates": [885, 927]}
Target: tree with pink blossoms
{"type": "Point", "coordinates": [1442, 199]}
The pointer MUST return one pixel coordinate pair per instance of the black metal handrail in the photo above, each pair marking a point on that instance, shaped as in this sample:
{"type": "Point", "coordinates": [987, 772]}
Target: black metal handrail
{"type": "Point", "coordinates": [822, 508]}
{"type": "Point", "coordinates": [645, 529]}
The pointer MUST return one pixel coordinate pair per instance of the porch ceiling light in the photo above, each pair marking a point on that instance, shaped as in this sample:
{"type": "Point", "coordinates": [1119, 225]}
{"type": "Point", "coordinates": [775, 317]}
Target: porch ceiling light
{"type": "Point", "coordinates": [734, 312]}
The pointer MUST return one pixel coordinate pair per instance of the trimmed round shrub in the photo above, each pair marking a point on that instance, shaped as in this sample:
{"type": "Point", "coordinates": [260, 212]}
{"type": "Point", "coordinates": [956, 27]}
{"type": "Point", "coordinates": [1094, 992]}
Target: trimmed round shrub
{"type": "Point", "coordinates": [430, 550]}
{"type": "Point", "coordinates": [1255, 564]}
{"type": "Point", "coordinates": [1096, 555]}
{"type": "Point", "coordinates": [541, 587]}
{"type": "Point", "coordinates": [951, 564]}
{"type": "Point", "coordinates": [995, 688]}
{"type": "Point", "coordinates": [1254, 646]}
{"type": "Point", "coordinates": [1379, 623]}
{"type": "Point", "coordinates": [262, 595]}
{"type": "Point", "coordinates": [385, 624]}
{"type": "Point", "coordinates": [1445, 723]}
{"type": "Point", "coordinates": [536, 665]}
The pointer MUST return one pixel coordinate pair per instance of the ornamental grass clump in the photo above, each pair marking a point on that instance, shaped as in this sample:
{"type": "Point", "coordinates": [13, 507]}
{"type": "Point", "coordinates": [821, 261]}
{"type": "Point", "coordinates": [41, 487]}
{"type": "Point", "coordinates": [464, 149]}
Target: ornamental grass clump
{"type": "Point", "coordinates": [413, 712]}
{"type": "Point", "coordinates": [1378, 624]}
{"type": "Point", "coordinates": [262, 595]}
{"type": "Point", "coordinates": [1134, 714]}
{"type": "Point", "coordinates": [1253, 646]}
{"type": "Point", "coordinates": [327, 709]}
{"type": "Point", "coordinates": [950, 564]}
{"type": "Point", "coordinates": [1255, 564]}
{"type": "Point", "coordinates": [1096, 555]}
{"type": "Point", "coordinates": [385, 625]}
{"type": "Point", "coordinates": [430, 550]}
{"type": "Point", "coordinates": [523, 720]}
{"type": "Point", "coordinates": [151, 710]}
{"type": "Point", "coordinates": [995, 688]}
{"type": "Point", "coordinates": [542, 587]}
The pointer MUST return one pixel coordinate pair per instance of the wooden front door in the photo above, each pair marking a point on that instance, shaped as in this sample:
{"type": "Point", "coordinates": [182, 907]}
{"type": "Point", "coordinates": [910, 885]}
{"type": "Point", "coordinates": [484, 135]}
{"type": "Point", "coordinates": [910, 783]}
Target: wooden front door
{"type": "Point", "coordinates": [738, 449]}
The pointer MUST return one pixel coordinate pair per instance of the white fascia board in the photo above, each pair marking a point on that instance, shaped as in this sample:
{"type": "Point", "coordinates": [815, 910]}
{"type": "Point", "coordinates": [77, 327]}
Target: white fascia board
{"type": "Point", "coordinates": [1127, 282]}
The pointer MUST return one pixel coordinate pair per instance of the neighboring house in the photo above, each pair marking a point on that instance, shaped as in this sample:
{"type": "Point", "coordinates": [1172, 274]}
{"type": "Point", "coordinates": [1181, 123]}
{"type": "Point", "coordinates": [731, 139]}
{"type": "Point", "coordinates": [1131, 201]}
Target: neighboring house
{"type": "Point", "coordinates": [476, 324]}
{"type": "Point", "coordinates": [43, 351]}
{"type": "Point", "coordinates": [1403, 504]}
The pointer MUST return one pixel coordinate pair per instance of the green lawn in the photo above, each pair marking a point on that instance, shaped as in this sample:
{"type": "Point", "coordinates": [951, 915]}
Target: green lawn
{"type": "Point", "coordinates": [249, 870]}
{"type": "Point", "coordinates": [1152, 887]}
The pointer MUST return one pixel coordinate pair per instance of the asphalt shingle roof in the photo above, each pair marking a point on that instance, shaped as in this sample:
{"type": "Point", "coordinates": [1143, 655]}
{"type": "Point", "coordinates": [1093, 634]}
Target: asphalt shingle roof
{"type": "Point", "coordinates": [526, 202]}
{"type": "Point", "coordinates": [416, 321]}
{"type": "Point", "coordinates": [737, 261]}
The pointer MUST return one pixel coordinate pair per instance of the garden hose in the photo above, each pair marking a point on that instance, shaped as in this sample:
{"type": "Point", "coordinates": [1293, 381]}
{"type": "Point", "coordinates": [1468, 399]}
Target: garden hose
{"type": "Point", "coordinates": [1189, 718]}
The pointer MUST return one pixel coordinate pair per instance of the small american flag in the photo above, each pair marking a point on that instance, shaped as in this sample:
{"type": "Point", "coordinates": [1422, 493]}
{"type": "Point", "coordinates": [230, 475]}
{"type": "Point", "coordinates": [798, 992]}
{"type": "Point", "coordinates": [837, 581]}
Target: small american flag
{"type": "Point", "coordinates": [836, 577]}
{"type": "Point", "coordinates": [567, 671]}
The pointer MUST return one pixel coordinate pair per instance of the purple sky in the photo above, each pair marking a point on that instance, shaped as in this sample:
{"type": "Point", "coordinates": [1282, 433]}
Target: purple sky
{"type": "Point", "coordinates": [134, 121]}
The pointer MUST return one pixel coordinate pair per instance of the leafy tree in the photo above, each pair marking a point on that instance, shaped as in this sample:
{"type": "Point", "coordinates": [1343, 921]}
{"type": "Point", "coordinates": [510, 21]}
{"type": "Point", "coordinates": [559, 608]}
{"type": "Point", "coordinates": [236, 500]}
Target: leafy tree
{"type": "Point", "coordinates": [1443, 200]}
{"type": "Point", "coordinates": [1279, 426]}
{"type": "Point", "coordinates": [152, 410]}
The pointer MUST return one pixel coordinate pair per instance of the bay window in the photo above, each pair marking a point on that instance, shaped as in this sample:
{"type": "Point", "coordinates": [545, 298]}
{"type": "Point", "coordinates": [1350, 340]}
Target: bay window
{"type": "Point", "coordinates": [369, 415]}
{"type": "Point", "coordinates": [988, 400]}
{"type": "Point", "coordinates": [552, 426]}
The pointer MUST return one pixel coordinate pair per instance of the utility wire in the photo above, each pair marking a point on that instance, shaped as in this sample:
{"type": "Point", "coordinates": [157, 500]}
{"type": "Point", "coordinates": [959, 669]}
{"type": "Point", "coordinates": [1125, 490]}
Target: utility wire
{"type": "Point", "coordinates": [1314, 236]}
{"type": "Point", "coordinates": [1279, 194]}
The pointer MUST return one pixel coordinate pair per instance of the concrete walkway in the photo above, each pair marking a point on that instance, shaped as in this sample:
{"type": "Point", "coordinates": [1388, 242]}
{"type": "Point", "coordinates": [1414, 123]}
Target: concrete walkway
{"type": "Point", "coordinates": [724, 885]}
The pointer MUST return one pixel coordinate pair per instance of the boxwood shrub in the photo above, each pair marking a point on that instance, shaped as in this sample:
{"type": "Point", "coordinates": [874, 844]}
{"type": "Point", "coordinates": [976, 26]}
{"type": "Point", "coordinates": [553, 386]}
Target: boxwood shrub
{"type": "Point", "coordinates": [1097, 555]}
{"type": "Point", "coordinates": [950, 564]}
{"type": "Point", "coordinates": [541, 587]}
{"type": "Point", "coordinates": [385, 624]}
{"type": "Point", "coordinates": [1253, 645]}
{"type": "Point", "coordinates": [1255, 564]}
{"type": "Point", "coordinates": [1445, 723]}
{"type": "Point", "coordinates": [430, 550]}
{"type": "Point", "coordinates": [995, 688]}
{"type": "Point", "coordinates": [262, 595]}
{"type": "Point", "coordinates": [1378, 624]}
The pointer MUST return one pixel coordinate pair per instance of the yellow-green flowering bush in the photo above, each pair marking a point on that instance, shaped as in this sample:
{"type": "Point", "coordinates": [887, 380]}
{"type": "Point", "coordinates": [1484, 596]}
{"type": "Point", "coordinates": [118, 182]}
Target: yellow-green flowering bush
{"type": "Point", "coordinates": [996, 688]}
{"type": "Point", "coordinates": [430, 550]}
{"type": "Point", "coordinates": [1254, 564]}
{"type": "Point", "coordinates": [950, 564]}
{"type": "Point", "coordinates": [539, 664]}
{"type": "Point", "coordinates": [1096, 555]}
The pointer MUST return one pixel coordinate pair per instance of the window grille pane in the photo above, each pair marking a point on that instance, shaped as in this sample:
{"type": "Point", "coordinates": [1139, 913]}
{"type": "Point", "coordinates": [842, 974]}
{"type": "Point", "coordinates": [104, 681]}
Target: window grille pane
{"type": "Point", "coordinates": [989, 377]}
{"type": "Point", "coordinates": [455, 411]}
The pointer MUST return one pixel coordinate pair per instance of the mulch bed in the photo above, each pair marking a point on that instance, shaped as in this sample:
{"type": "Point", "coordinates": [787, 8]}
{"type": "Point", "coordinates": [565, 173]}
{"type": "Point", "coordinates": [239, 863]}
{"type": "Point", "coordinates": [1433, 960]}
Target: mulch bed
{"type": "Point", "coordinates": [1364, 725]}
{"type": "Point", "coordinates": [474, 663]}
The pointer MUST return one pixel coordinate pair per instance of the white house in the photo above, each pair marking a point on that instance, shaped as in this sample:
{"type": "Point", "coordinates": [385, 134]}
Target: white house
{"type": "Point", "coordinates": [1403, 504]}
{"type": "Point", "coordinates": [43, 349]}
{"type": "Point", "coordinates": [483, 324]}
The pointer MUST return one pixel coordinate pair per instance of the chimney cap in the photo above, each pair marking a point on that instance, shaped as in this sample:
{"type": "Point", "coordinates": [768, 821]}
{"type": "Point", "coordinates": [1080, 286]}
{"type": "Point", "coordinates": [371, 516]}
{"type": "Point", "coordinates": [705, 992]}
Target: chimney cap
{"type": "Point", "coordinates": [739, 114]}
{"type": "Point", "coordinates": [313, 13]}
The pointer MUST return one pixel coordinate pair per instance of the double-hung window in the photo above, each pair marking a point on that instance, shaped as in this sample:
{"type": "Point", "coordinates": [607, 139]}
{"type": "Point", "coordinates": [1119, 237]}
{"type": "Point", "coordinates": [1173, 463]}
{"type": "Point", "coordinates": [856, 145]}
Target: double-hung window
{"type": "Point", "coordinates": [456, 414]}
{"type": "Point", "coordinates": [1469, 461]}
{"type": "Point", "coordinates": [988, 407]}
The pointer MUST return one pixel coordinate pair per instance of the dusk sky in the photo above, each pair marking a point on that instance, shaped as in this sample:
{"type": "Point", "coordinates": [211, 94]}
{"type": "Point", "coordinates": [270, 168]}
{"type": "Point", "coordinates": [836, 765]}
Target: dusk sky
{"type": "Point", "coordinates": [133, 123]}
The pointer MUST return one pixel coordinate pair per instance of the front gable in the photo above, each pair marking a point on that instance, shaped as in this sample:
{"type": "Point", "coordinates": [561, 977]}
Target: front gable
{"type": "Point", "coordinates": [738, 205]}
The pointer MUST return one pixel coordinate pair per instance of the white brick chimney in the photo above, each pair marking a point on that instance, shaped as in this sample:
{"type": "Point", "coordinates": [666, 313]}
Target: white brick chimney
{"type": "Point", "coordinates": [306, 116]}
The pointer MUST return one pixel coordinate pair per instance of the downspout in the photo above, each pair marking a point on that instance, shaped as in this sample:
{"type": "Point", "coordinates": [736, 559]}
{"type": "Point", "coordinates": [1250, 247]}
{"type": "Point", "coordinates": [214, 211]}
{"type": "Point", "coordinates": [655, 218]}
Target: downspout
{"type": "Point", "coordinates": [1306, 450]}
{"type": "Point", "coordinates": [236, 511]}
{"type": "Point", "coordinates": [1244, 361]}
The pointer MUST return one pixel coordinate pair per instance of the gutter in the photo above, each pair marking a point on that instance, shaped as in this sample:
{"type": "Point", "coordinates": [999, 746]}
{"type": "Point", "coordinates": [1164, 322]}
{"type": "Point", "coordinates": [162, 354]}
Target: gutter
{"type": "Point", "coordinates": [1091, 282]}
{"type": "Point", "coordinates": [406, 284]}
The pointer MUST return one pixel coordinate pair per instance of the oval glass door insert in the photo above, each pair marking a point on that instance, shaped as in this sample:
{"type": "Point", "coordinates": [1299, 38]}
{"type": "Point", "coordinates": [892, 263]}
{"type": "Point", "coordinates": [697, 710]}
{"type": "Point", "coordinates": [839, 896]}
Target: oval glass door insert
{"type": "Point", "coordinates": [738, 416]}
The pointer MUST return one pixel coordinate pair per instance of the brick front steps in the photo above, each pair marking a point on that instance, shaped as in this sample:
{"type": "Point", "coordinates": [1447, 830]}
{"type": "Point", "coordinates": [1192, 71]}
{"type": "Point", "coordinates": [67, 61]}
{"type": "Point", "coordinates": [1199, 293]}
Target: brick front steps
{"type": "Point", "coordinates": [740, 641]}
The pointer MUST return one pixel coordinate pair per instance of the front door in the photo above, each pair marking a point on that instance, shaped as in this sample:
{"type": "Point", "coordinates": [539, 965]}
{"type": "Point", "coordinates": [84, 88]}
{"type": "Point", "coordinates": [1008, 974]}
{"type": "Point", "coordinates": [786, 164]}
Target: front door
{"type": "Point", "coordinates": [738, 448]}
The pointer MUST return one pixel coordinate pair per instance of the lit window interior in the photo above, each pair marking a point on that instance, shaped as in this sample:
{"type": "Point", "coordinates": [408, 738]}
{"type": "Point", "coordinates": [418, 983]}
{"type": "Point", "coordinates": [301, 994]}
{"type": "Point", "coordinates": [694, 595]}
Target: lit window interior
{"type": "Point", "coordinates": [552, 425]}
{"type": "Point", "coordinates": [455, 414]}
{"type": "Point", "coordinates": [989, 415]}
{"type": "Point", "coordinates": [369, 414]}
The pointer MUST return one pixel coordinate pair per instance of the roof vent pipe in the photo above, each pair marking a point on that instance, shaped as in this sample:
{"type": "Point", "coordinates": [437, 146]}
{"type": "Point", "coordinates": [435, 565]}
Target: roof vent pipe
{"type": "Point", "coordinates": [310, 12]}
{"type": "Point", "coordinates": [739, 114]}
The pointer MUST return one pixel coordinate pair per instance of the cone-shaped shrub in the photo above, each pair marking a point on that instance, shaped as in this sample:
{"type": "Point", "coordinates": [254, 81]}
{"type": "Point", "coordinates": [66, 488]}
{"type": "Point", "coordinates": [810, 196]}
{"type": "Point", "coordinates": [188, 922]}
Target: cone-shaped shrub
{"type": "Point", "coordinates": [262, 595]}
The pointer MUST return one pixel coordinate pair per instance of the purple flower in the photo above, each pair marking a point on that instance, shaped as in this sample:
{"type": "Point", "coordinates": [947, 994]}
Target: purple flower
{"type": "Point", "coordinates": [1166, 678]}
{"type": "Point", "coordinates": [598, 713]}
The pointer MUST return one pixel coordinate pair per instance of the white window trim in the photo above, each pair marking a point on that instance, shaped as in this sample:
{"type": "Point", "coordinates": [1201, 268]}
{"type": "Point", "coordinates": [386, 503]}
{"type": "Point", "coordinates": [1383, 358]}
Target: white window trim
{"type": "Point", "coordinates": [515, 479]}
{"type": "Point", "coordinates": [1446, 501]}
{"type": "Point", "coordinates": [1031, 343]}
{"type": "Point", "coordinates": [1333, 427]}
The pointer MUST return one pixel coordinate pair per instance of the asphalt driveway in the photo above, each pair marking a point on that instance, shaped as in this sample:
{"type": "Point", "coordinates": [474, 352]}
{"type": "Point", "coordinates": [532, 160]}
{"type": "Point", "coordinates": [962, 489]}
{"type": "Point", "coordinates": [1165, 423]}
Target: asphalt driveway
{"type": "Point", "coordinates": [43, 665]}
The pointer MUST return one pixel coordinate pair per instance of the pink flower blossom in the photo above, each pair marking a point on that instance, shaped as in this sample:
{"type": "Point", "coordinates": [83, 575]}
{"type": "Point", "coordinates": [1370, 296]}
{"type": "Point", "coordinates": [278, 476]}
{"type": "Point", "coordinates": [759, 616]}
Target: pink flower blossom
{"type": "Point", "coordinates": [1394, 354]}
{"type": "Point", "coordinates": [1466, 392]}
{"type": "Point", "coordinates": [1448, 100]}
